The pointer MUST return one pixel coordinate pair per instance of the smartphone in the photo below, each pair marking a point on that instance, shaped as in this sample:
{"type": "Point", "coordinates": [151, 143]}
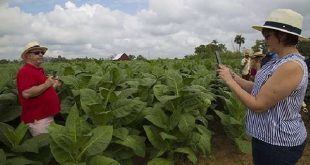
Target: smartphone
{"type": "Point", "coordinates": [218, 58]}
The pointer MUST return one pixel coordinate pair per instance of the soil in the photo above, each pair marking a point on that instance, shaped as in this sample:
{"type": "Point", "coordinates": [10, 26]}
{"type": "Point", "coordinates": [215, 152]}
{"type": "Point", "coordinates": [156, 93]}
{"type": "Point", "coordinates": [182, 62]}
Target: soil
{"type": "Point", "coordinates": [224, 152]}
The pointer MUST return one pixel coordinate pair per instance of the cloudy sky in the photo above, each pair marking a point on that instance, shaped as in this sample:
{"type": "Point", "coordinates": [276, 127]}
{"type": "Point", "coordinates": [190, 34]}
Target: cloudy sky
{"type": "Point", "coordinates": [152, 28]}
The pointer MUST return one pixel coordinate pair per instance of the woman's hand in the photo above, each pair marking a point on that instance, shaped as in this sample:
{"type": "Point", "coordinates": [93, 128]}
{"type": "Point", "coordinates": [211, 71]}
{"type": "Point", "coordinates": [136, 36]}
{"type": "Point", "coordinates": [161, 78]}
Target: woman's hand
{"type": "Point", "coordinates": [225, 73]}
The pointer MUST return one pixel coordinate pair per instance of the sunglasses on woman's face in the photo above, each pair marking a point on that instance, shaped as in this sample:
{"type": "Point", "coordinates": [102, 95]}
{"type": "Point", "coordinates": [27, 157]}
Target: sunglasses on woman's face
{"type": "Point", "coordinates": [37, 52]}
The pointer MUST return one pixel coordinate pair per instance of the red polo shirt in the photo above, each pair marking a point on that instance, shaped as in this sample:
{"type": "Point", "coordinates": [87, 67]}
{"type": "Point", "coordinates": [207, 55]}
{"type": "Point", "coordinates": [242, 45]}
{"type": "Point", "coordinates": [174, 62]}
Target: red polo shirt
{"type": "Point", "coordinates": [39, 107]}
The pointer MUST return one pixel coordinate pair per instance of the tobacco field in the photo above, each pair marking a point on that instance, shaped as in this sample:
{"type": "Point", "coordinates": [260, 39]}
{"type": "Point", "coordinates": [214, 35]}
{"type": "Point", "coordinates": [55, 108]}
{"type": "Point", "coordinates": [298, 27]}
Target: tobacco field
{"type": "Point", "coordinates": [126, 112]}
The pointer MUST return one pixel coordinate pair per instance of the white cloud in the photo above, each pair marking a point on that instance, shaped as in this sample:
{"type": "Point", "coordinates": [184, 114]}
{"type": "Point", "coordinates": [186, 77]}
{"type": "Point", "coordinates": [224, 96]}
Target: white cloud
{"type": "Point", "coordinates": [167, 28]}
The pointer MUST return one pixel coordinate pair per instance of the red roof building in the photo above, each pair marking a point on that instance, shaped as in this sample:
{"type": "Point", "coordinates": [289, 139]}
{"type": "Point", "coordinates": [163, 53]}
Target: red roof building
{"type": "Point", "coordinates": [121, 57]}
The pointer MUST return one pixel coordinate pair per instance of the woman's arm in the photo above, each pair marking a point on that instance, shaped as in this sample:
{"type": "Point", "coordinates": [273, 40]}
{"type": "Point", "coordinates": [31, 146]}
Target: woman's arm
{"type": "Point", "coordinates": [244, 84]}
{"type": "Point", "coordinates": [282, 82]}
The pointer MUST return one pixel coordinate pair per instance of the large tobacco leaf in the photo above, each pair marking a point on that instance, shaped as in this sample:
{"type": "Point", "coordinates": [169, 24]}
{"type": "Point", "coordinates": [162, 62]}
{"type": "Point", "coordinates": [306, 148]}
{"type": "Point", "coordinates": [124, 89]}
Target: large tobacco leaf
{"type": "Point", "coordinates": [163, 93]}
{"type": "Point", "coordinates": [76, 141]}
{"type": "Point", "coordinates": [136, 143]}
{"type": "Point", "coordinates": [158, 118]}
{"type": "Point", "coordinates": [201, 140]}
{"type": "Point", "coordinates": [174, 81]}
{"type": "Point", "coordinates": [233, 121]}
{"type": "Point", "coordinates": [127, 111]}
{"type": "Point", "coordinates": [153, 136]}
{"type": "Point", "coordinates": [186, 123]}
{"type": "Point", "coordinates": [12, 137]}
{"type": "Point", "coordinates": [102, 160]}
{"type": "Point", "coordinates": [160, 161]}
{"type": "Point", "coordinates": [33, 144]}
{"type": "Point", "coordinates": [7, 98]}
{"type": "Point", "coordinates": [9, 112]}
{"type": "Point", "coordinates": [189, 152]}
{"type": "Point", "coordinates": [89, 97]}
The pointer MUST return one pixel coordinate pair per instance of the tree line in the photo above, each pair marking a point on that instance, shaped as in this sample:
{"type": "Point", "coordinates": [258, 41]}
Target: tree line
{"type": "Point", "coordinates": [201, 51]}
{"type": "Point", "coordinates": [204, 50]}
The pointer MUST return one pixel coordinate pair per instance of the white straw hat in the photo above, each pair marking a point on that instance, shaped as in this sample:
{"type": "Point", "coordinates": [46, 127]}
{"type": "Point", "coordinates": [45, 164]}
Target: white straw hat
{"type": "Point", "coordinates": [258, 54]}
{"type": "Point", "coordinates": [246, 52]}
{"type": "Point", "coordinates": [284, 20]}
{"type": "Point", "coordinates": [34, 45]}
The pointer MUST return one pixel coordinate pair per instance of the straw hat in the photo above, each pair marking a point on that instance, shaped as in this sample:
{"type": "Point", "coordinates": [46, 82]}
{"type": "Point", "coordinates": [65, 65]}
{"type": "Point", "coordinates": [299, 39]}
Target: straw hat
{"type": "Point", "coordinates": [246, 52]}
{"type": "Point", "coordinates": [284, 20]}
{"type": "Point", "coordinates": [258, 54]}
{"type": "Point", "coordinates": [34, 45]}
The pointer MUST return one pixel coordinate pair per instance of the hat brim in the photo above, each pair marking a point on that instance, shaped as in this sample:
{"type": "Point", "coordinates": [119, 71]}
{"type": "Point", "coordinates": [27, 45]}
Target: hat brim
{"type": "Point", "coordinates": [23, 55]}
{"type": "Point", "coordinates": [300, 37]}
{"type": "Point", "coordinates": [256, 56]}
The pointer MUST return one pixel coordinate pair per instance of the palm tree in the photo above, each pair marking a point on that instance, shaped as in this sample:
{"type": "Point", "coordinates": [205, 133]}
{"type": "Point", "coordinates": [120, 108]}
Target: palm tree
{"type": "Point", "coordinates": [214, 42]}
{"type": "Point", "coordinates": [259, 45]}
{"type": "Point", "coordinates": [239, 40]}
{"type": "Point", "coordinates": [222, 47]}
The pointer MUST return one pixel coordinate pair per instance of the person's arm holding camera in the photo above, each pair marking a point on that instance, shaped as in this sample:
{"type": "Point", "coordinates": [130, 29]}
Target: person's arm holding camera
{"type": "Point", "coordinates": [244, 84]}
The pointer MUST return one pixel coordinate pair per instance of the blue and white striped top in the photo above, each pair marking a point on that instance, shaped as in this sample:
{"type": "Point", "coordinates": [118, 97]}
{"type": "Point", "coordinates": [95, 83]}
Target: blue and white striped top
{"type": "Point", "coordinates": [281, 124]}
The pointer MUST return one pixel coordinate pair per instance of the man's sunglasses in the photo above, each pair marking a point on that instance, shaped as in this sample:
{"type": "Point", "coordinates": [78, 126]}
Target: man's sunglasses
{"type": "Point", "coordinates": [37, 52]}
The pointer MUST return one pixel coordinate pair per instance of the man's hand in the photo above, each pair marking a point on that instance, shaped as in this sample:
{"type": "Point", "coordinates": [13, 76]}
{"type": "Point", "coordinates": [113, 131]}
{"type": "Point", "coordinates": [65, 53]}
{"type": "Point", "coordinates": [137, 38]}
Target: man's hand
{"type": "Point", "coordinates": [54, 81]}
{"type": "Point", "coordinates": [50, 81]}
{"type": "Point", "coordinates": [57, 83]}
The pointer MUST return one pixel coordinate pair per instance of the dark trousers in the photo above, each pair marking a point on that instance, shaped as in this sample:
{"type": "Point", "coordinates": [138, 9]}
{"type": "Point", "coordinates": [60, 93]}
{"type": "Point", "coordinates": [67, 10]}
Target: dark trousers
{"type": "Point", "coordinates": [267, 154]}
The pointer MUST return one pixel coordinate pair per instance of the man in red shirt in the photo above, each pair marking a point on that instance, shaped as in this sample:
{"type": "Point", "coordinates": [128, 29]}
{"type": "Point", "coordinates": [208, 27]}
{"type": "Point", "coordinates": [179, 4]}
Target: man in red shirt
{"type": "Point", "coordinates": [36, 92]}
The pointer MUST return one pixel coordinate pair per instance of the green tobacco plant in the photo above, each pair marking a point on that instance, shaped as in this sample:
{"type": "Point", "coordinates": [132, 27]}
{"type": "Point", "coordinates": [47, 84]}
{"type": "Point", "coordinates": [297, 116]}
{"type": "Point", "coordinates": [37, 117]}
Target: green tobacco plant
{"type": "Point", "coordinates": [14, 139]}
{"type": "Point", "coordinates": [233, 121]}
{"type": "Point", "coordinates": [102, 160]}
{"type": "Point", "coordinates": [131, 140]}
{"type": "Point", "coordinates": [9, 108]}
{"type": "Point", "coordinates": [179, 119]}
{"type": "Point", "coordinates": [77, 141]}
{"type": "Point", "coordinates": [22, 150]}
{"type": "Point", "coordinates": [157, 109]}
{"type": "Point", "coordinates": [160, 161]}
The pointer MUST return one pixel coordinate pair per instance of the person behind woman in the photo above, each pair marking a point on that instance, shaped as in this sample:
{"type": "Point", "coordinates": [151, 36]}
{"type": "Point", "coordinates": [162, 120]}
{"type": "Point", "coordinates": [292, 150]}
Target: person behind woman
{"type": "Point", "coordinates": [255, 64]}
{"type": "Point", "coordinates": [275, 97]}
{"type": "Point", "coordinates": [245, 64]}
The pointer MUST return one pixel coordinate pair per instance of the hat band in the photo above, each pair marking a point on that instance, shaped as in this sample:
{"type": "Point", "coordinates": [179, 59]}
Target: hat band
{"type": "Point", "coordinates": [283, 26]}
{"type": "Point", "coordinates": [36, 46]}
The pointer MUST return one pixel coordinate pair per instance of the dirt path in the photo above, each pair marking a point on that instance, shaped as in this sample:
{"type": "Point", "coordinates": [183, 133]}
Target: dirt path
{"type": "Point", "coordinates": [305, 159]}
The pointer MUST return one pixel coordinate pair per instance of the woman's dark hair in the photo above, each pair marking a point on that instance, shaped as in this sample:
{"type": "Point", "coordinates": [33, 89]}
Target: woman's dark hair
{"type": "Point", "coordinates": [286, 38]}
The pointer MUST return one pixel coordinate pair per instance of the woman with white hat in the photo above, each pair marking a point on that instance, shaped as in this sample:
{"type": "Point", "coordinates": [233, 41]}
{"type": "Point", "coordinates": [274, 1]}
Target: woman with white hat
{"type": "Point", "coordinates": [275, 98]}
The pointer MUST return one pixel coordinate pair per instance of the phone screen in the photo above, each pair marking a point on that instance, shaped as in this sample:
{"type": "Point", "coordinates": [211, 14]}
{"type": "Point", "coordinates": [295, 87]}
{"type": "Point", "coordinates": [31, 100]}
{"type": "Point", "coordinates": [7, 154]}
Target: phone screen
{"type": "Point", "coordinates": [218, 58]}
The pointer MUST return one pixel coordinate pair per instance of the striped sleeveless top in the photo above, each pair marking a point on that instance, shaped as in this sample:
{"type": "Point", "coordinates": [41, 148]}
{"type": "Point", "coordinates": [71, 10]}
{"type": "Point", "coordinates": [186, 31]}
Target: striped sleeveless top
{"type": "Point", "coordinates": [281, 124]}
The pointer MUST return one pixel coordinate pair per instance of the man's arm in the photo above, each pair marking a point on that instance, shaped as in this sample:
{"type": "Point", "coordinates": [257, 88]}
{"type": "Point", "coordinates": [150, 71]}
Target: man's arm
{"type": "Point", "coordinates": [38, 90]}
